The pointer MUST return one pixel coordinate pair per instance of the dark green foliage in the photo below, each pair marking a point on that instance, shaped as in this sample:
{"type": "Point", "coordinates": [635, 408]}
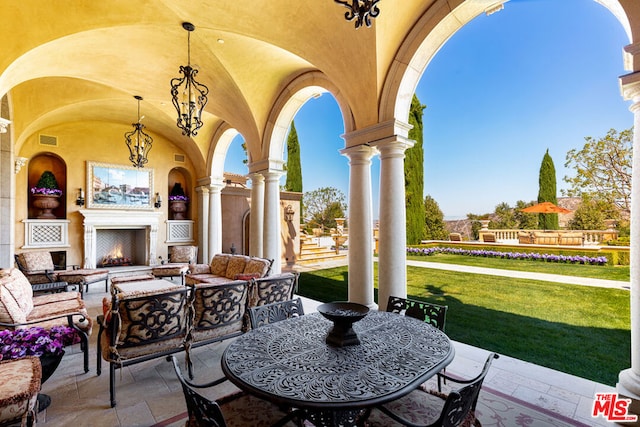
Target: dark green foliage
{"type": "Point", "coordinates": [526, 221]}
{"type": "Point", "coordinates": [294, 170]}
{"type": "Point", "coordinates": [414, 176]}
{"type": "Point", "coordinates": [504, 217]}
{"type": "Point", "coordinates": [177, 190]}
{"type": "Point", "coordinates": [47, 180]}
{"type": "Point", "coordinates": [434, 228]}
{"type": "Point", "coordinates": [547, 192]}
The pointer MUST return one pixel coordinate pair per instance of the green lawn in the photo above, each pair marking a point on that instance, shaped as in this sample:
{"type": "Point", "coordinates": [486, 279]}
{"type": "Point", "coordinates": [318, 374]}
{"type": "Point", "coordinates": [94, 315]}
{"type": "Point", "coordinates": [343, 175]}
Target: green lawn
{"type": "Point", "coordinates": [620, 272]}
{"type": "Point", "coordinates": [581, 330]}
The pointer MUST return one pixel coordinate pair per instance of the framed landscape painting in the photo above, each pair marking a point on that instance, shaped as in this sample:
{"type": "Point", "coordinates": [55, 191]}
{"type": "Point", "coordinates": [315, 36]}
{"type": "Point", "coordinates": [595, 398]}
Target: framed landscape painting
{"type": "Point", "coordinates": [119, 187]}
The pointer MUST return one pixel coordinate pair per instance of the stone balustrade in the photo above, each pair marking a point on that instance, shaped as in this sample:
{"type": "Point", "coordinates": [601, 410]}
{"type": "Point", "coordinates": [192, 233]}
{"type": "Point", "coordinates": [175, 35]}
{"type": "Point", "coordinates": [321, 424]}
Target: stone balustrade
{"type": "Point", "coordinates": [589, 237]}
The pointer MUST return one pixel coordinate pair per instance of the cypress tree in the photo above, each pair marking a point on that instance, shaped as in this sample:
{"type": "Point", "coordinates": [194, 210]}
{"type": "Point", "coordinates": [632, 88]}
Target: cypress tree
{"type": "Point", "coordinates": [294, 170]}
{"type": "Point", "coordinates": [547, 192]}
{"type": "Point", "coordinates": [414, 177]}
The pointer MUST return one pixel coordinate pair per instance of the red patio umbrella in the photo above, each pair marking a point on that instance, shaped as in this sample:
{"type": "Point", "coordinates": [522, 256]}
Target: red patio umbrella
{"type": "Point", "coordinates": [545, 208]}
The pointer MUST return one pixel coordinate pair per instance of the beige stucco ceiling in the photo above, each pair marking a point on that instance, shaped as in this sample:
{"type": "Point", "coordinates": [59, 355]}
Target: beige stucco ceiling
{"type": "Point", "coordinates": [72, 60]}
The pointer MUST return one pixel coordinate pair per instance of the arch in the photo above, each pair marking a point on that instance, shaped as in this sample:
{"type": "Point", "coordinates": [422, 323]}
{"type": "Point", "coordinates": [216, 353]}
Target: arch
{"type": "Point", "coordinates": [38, 164]}
{"type": "Point", "coordinates": [291, 99]}
{"type": "Point", "coordinates": [428, 36]}
{"type": "Point", "coordinates": [222, 139]}
{"type": "Point", "coordinates": [182, 176]}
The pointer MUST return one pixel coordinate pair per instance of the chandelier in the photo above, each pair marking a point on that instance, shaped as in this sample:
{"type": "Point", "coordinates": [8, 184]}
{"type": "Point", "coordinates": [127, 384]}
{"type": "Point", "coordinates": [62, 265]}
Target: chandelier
{"type": "Point", "coordinates": [361, 11]}
{"type": "Point", "coordinates": [188, 96]}
{"type": "Point", "coordinates": [138, 142]}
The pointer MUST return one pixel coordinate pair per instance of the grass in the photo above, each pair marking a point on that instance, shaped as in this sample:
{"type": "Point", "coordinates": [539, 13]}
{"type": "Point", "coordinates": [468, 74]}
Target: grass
{"type": "Point", "coordinates": [580, 330]}
{"type": "Point", "coordinates": [620, 272]}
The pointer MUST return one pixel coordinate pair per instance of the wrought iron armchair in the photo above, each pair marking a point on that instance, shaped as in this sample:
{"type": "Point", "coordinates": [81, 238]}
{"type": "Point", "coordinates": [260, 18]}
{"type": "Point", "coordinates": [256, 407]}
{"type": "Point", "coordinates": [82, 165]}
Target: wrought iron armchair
{"type": "Point", "coordinates": [425, 409]}
{"type": "Point", "coordinates": [434, 314]}
{"type": "Point", "coordinates": [275, 312]}
{"type": "Point", "coordinates": [204, 412]}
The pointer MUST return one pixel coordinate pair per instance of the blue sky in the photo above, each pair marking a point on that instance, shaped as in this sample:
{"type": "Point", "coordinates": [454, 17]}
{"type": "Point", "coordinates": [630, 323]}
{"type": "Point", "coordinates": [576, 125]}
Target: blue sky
{"type": "Point", "coordinates": [538, 75]}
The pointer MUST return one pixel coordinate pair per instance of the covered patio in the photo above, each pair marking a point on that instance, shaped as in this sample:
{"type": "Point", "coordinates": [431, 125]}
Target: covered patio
{"type": "Point", "coordinates": [70, 75]}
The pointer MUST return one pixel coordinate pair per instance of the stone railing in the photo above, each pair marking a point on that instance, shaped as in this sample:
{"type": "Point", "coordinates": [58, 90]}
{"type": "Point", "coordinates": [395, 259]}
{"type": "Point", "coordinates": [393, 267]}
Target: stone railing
{"type": "Point", "coordinates": [589, 237]}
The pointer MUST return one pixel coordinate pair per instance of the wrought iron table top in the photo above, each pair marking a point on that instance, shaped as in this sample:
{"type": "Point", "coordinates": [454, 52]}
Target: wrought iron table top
{"type": "Point", "coordinates": [289, 362]}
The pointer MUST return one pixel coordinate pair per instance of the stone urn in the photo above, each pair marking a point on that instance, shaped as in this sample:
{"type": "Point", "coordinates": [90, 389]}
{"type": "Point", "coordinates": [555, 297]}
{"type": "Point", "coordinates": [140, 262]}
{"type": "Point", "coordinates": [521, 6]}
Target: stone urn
{"type": "Point", "coordinates": [46, 203]}
{"type": "Point", "coordinates": [178, 208]}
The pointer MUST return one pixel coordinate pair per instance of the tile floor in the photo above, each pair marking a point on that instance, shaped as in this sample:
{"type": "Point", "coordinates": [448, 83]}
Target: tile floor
{"type": "Point", "coordinates": [148, 393]}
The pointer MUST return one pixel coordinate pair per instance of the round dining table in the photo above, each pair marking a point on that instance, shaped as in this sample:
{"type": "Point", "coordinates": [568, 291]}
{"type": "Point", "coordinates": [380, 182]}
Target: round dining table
{"type": "Point", "coordinates": [291, 364]}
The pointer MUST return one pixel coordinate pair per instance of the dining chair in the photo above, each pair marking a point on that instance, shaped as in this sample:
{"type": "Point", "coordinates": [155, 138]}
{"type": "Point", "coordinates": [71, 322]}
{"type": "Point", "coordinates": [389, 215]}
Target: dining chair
{"type": "Point", "coordinates": [426, 409]}
{"type": "Point", "coordinates": [434, 314]}
{"type": "Point", "coordinates": [241, 408]}
{"type": "Point", "coordinates": [275, 312]}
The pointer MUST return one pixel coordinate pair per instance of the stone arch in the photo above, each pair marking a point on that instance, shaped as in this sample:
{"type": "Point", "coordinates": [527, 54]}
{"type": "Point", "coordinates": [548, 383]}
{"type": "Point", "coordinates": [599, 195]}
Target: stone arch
{"type": "Point", "coordinates": [428, 36]}
{"type": "Point", "coordinates": [291, 99]}
{"type": "Point", "coordinates": [222, 139]}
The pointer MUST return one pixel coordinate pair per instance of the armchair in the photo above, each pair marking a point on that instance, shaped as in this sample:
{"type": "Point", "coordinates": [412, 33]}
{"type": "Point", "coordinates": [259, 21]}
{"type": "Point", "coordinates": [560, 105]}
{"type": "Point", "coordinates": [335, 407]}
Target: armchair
{"type": "Point", "coordinates": [426, 408]}
{"type": "Point", "coordinates": [19, 308]}
{"type": "Point", "coordinates": [38, 268]}
{"type": "Point", "coordinates": [180, 257]}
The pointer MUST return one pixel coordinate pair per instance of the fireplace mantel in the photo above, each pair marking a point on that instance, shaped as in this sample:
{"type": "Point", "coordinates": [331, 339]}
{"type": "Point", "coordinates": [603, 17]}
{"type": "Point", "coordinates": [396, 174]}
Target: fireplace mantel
{"type": "Point", "coordinates": [119, 219]}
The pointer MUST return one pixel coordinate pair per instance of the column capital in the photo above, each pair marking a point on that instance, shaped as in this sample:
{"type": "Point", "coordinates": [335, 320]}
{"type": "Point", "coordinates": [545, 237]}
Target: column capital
{"type": "Point", "coordinates": [272, 174]}
{"type": "Point", "coordinates": [256, 177]}
{"type": "Point", "coordinates": [202, 189]}
{"type": "Point", "coordinates": [377, 132]}
{"type": "Point", "coordinates": [393, 146]}
{"type": "Point", "coordinates": [630, 88]}
{"type": "Point", "coordinates": [360, 154]}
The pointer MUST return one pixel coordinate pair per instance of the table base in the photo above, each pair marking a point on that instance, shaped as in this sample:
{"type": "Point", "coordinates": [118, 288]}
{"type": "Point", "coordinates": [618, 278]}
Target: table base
{"type": "Point", "coordinates": [337, 418]}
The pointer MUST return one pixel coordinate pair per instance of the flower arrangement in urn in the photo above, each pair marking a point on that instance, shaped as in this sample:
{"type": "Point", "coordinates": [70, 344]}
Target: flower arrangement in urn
{"type": "Point", "coordinates": [178, 201]}
{"type": "Point", "coordinates": [45, 195]}
{"type": "Point", "coordinates": [47, 185]}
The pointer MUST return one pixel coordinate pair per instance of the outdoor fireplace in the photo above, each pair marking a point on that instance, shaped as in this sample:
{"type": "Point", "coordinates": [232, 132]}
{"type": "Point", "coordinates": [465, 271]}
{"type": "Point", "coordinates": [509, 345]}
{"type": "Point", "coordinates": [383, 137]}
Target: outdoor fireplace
{"type": "Point", "coordinates": [120, 247]}
{"type": "Point", "coordinates": [136, 231]}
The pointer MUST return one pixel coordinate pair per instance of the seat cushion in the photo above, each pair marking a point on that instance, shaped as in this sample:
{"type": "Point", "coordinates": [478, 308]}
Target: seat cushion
{"type": "Point", "coordinates": [83, 275]}
{"type": "Point", "coordinates": [183, 254]}
{"type": "Point", "coordinates": [36, 262]}
{"type": "Point", "coordinates": [236, 265]}
{"type": "Point", "coordinates": [132, 278]}
{"type": "Point", "coordinates": [10, 311]}
{"type": "Point", "coordinates": [20, 288]}
{"type": "Point", "coordinates": [258, 266]}
{"type": "Point", "coordinates": [170, 270]}
{"type": "Point", "coordinates": [19, 387]}
{"type": "Point", "coordinates": [219, 264]}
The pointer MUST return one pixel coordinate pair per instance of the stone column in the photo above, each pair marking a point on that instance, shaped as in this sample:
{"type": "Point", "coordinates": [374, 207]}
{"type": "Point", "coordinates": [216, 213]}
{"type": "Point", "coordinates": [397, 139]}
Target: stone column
{"type": "Point", "coordinates": [392, 269]}
{"type": "Point", "coordinates": [215, 217]}
{"type": "Point", "coordinates": [629, 379]}
{"type": "Point", "coordinates": [203, 220]}
{"type": "Point", "coordinates": [272, 239]}
{"type": "Point", "coordinates": [360, 253]}
{"type": "Point", "coordinates": [257, 215]}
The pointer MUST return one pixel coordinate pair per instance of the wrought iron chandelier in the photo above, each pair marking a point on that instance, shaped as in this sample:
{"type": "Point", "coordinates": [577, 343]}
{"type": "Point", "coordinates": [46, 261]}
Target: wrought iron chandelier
{"type": "Point", "coordinates": [360, 10]}
{"type": "Point", "coordinates": [138, 142]}
{"type": "Point", "coordinates": [188, 96]}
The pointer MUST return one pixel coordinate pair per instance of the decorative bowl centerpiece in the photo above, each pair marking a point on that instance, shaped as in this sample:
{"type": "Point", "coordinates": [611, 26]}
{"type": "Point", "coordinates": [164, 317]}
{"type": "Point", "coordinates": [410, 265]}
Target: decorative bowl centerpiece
{"type": "Point", "coordinates": [343, 315]}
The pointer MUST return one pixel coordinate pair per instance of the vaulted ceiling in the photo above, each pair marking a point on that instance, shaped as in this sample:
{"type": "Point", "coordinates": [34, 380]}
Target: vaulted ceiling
{"type": "Point", "coordinates": [73, 61]}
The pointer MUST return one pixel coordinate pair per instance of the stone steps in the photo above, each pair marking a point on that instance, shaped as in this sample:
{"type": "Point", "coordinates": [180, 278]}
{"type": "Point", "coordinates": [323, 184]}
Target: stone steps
{"type": "Point", "coordinates": [311, 253]}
